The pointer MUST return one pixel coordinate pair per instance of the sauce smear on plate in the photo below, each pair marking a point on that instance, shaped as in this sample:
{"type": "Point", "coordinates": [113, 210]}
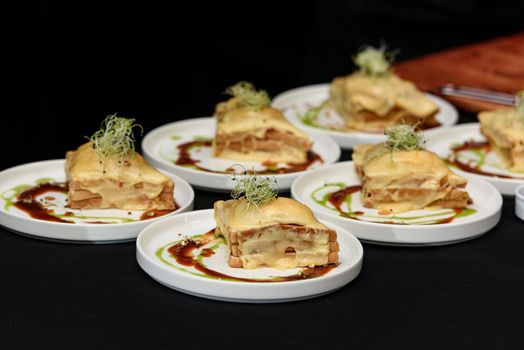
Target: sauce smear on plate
{"type": "Point", "coordinates": [475, 146]}
{"type": "Point", "coordinates": [183, 252]}
{"type": "Point", "coordinates": [28, 201]}
{"type": "Point", "coordinates": [185, 159]}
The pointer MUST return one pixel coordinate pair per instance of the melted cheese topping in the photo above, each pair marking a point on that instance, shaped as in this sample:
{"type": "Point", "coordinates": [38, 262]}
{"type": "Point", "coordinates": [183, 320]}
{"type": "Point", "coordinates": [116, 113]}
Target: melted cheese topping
{"type": "Point", "coordinates": [358, 92]}
{"type": "Point", "coordinates": [421, 173]}
{"type": "Point", "coordinates": [504, 121]}
{"type": "Point", "coordinates": [238, 215]}
{"type": "Point", "coordinates": [84, 167]}
{"type": "Point", "coordinates": [234, 119]}
{"type": "Point", "coordinates": [505, 132]}
{"type": "Point", "coordinates": [269, 249]}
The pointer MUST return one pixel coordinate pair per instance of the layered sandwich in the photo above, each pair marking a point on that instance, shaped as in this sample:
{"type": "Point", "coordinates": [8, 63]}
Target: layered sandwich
{"type": "Point", "coordinates": [374, 97]}
{"type": "Point", "coordinates": [106, 172]}
{"type": "Point", "coordinates": [504, 130]}
{"type": "Point", "coordinates": [276, 232]}
{"type": "Point", "coordinates": [247, 128]}
{"type": "Point", "coordinates": [400, 175]}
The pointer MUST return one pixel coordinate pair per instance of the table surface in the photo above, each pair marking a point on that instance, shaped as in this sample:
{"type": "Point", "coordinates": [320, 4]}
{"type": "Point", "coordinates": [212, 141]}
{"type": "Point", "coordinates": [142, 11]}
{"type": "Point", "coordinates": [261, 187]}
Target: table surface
{"type": "Point", "coordinates": [84, 296]}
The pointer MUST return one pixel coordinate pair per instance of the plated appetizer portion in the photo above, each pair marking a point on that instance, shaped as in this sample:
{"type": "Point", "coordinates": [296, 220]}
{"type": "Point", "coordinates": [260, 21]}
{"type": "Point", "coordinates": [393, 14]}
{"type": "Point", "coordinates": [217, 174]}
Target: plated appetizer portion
{"type": "Point", "coordinates": [104, 191]}
{"type": "Point", "coordinates": [400, 175]}
{"type": "Point", "coordinates": [248, 128]}
{"type": "Point", "coordinates": [185, 148]}
{"type": "Point", "coordinates": [184, 253]}
{"type": "Point", "coordinates": [375, 97]}
{"type": "Point", "coordinates": [262, 229]}
{"type": "Point", "coordinates": [106, 173]}
{"type": "Point", "coordinates": [333, 193]}
{"type": "Point", "coordinates": [504, 130]}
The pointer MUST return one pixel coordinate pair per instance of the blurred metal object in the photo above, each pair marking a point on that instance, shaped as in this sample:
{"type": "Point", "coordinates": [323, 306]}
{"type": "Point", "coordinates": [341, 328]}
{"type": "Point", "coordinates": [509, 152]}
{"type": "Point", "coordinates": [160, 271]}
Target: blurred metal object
{"type": "Point", "coordinates": [478, 94]}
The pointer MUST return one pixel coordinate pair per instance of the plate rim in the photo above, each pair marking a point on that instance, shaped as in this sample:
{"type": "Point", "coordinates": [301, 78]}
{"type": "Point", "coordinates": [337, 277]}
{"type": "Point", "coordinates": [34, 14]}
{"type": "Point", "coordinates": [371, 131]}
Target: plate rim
{"type": "Point", "coordinates": [410, 227]}
{"type": "Point", "coordinates": [140, 251]}
{"type": "Point", "coordinates": [31, 220]}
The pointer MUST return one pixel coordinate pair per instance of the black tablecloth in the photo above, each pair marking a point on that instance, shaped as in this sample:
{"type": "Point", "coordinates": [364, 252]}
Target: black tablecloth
{"type": "Point", "coordinates": [86, 296]}
{"type": "Point", "coordinates": [156, 63]}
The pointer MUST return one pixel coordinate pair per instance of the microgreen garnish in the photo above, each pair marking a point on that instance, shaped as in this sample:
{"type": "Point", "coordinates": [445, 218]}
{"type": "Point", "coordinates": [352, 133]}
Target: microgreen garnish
{"type": "Point", "coordinates": [248, 96]}
{"type": "Point", "coordinates": [403, 137]}
{"type": "Point", "coordinates": [255, 189]}
{"type": "Point", "coordinates": [374, 62]}
{"type": "Point", "coordinates": [115, 138]}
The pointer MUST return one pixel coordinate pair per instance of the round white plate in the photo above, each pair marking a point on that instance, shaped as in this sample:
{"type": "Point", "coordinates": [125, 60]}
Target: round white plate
{"type": "Point", "coordinates": [442, 141]}
{"type": "Point", "coordinates": [160, 149]}
{"type": "Point", "coordinates": [416, 230]}
{"type": "Point", "coordinates": [152, 244]}
{"type": "Point", "coordinates": [294, 103]}
{"type": "Point", "coordinates": [125, 224]}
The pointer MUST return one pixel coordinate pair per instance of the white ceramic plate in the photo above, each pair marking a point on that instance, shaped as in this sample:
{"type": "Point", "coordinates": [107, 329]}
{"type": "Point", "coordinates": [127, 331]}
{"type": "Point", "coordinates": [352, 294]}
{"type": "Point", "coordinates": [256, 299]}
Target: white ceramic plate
{"type": "Point", "coordinates": [442, 142]}
{"type": "Point", "coordinates": [160, 149]}
{"type": "Point", "coordinates": [152, 255]}
{"type": "Point", "coordinates": [420, 227]}
{"type": "Point", "coordinates": [125, 225]}
{"type": "Point", "coordinates": [296, 102]}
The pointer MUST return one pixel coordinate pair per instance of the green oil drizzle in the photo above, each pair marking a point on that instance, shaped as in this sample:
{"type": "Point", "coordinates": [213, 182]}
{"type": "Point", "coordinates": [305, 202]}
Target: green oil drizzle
{"type": "Point", "coordinates": [175, 137]}
{"type": "Point", "coordinates": [480, 158]}
{"type": "Point", "coordinates": [115, 219]}
{"type": "Point", "coordinates": [465, 212]}
{"type": "Point", "coordinates": [479, 153]}
{"type": "Point", "coordinates": [10, 201]}
{"type": "Point", "coordinates": [160, 251]}
{"type": "Point", "coordinates": [202, 138]}
{"type": "Point", "coordinates": [324, 201]}
{"type": "Point", "coordinates": [44, 180]}
{"type": "Point", "coordinates": [15, 191]}
{"type": "Point", "coordinates": [219, 240]}
{"type": "Point", "coordinates": [310, 116]}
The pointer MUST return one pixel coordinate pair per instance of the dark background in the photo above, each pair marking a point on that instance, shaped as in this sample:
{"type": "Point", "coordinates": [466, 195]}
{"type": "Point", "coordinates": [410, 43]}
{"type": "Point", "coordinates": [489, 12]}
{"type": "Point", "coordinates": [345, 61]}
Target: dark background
{"type": "Point", "coordinates": [164, 61]}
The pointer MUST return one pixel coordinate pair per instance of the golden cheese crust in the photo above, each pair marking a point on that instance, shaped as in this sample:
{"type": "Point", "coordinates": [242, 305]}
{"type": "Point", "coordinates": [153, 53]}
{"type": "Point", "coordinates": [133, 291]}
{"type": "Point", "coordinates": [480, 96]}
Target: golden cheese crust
{"type": "Point", "coordinates": [505, 134]}
{"type": "Point", "coordinates": [265, 135]}
{"type": "Point", "coordinates": [129, 184]}
{"type": "Point", "coordinates": [372, 103]}
{"type": "Point", "coordinates": [399, 181]}
{"type": "Point", "coordinates": [282, 234]}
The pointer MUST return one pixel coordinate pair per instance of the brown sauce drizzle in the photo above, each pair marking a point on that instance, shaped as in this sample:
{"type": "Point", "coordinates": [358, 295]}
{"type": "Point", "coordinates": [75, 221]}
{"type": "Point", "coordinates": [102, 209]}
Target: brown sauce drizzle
{"type": "Point", "coordinates": [471, 145]}
{"type": "Point", "coordinates": [27, 202]}
{"type": "Point", "coordinates": [151, 214]}
{"type": "Point", "coordinates": [429, 124]}
{"type": "Point", "coordinates": [183, 254]}
{"type": "Point", "coordinates": [337, 199]}
{"type": "Point", "coordinates": [184, 159]}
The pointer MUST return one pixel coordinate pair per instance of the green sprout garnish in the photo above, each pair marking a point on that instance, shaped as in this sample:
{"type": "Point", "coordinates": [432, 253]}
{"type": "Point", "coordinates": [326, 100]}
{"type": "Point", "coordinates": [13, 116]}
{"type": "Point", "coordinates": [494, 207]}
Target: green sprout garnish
{"type": "Point", "coordinates": [256, 190]}
{"type": "Point", "coordinates": [248, 96]}
{"type": "Point", "coordinates": [115, 138]}
{"type": "Point", "coordinates": [374, 62]}
{"type": "Point", "coordinates": [403, 137]}
{"type": "Point", "coordinates": [519, 104]}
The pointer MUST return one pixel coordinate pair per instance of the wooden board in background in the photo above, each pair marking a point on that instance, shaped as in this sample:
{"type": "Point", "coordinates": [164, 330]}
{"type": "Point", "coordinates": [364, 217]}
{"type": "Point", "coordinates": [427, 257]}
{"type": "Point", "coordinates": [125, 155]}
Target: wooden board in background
{"type": "Point", "coordinates": [496, 65]}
